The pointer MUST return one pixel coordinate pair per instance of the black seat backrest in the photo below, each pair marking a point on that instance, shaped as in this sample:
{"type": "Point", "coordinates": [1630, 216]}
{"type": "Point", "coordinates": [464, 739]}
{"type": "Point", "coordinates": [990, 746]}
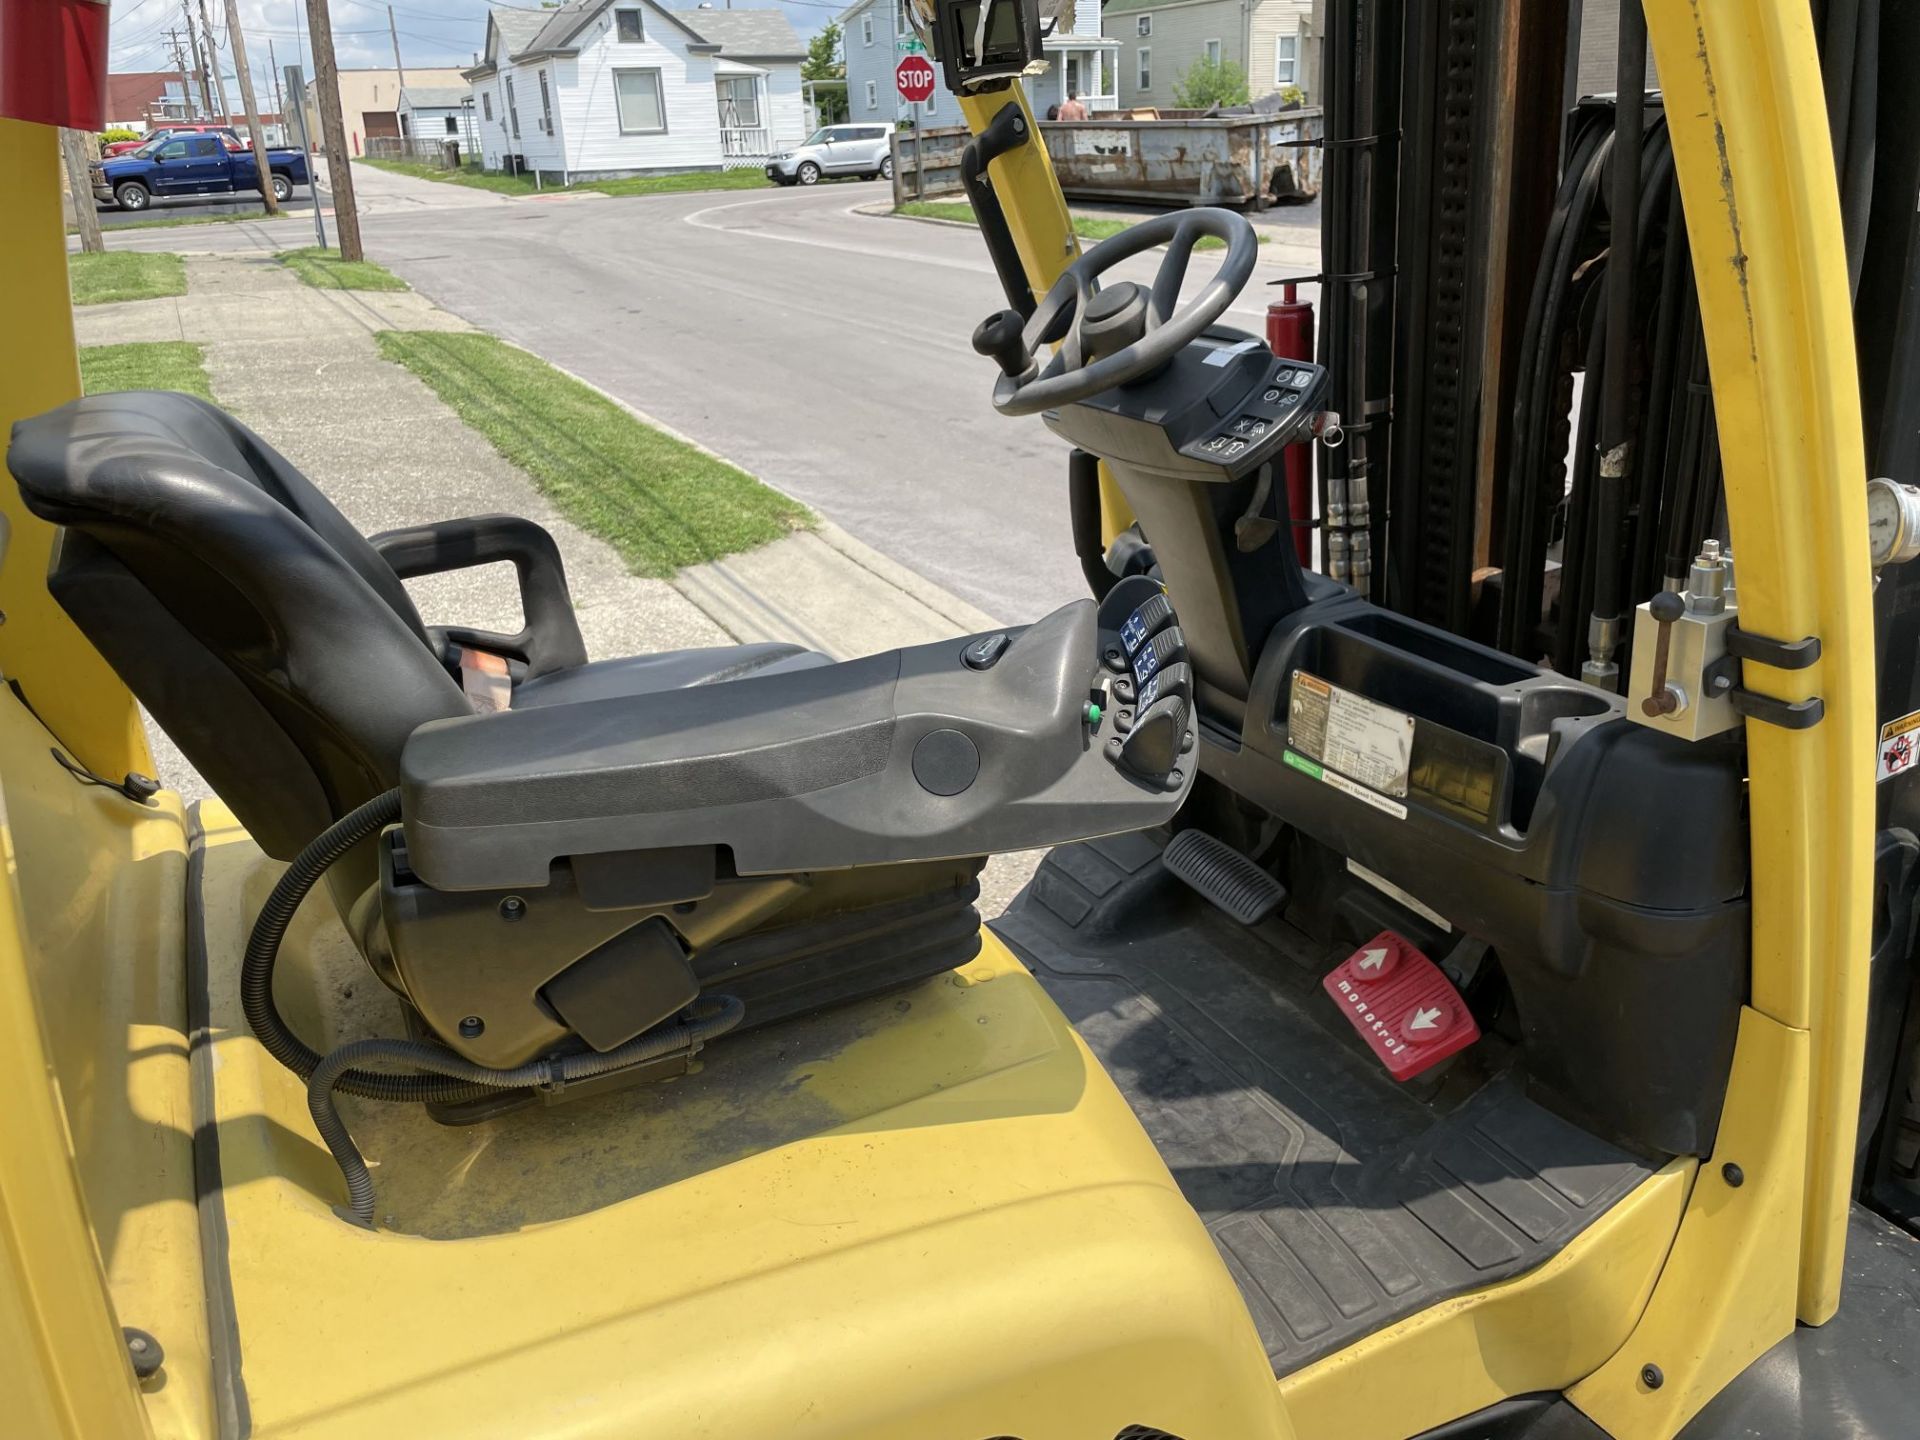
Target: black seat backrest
{"type": "Point", "coordinates": [260, 629]}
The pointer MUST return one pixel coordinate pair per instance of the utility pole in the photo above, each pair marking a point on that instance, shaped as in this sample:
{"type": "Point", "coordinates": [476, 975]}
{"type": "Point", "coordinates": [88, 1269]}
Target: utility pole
{"type": "Point", "coordinates": [333, 131]}
{"type": "Point", "coordinates": [244, 74]}
{"type": "Point", "coordinates": [199, 67]}
{"type": "Point", "coordinates": [279, 99]}
{"type": "Point", "coordinates": [76, 148]}
{"type": "Point", "coordinates": [213, 62]}
{"type": "Point", "coordinates": [180, 64]}
{"type": "Point", "coordinates": [394, 32]}
{"type": "Point", "coordinates": [200, 70]}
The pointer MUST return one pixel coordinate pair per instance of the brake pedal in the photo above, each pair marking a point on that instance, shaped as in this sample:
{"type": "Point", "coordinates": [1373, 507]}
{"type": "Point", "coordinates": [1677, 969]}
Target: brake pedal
{"type": "Point", "coordinates": [1223, 875]}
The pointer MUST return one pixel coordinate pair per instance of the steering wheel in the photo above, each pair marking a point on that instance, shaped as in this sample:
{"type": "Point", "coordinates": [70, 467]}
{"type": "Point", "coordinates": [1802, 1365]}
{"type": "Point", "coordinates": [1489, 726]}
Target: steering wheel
{"type": "Point", "coordinates": [1142, 323]}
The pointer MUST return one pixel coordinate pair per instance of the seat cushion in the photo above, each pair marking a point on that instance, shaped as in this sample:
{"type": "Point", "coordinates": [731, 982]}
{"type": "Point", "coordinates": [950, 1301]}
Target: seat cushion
{"type": "Point", "coordinates": [668, 670]}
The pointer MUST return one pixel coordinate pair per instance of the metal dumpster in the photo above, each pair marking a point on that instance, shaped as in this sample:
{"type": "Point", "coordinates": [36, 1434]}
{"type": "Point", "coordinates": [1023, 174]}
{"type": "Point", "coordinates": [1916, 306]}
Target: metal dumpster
{"type": "Point", "coordinates": [1227, 160]}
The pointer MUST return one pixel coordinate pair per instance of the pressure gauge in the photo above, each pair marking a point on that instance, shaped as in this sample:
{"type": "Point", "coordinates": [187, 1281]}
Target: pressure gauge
{"type": "Point", "coordinates": [1893, 522]}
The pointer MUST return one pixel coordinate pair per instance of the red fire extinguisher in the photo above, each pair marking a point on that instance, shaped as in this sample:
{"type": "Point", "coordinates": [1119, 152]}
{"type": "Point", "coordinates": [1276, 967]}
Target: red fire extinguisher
{"type": "Point", "coordinates": [1290, 336]}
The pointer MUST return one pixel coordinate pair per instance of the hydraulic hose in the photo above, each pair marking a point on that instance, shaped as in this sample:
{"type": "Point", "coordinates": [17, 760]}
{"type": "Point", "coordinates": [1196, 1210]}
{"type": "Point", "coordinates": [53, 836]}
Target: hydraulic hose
{"type": "Point", "coordinates": [1083, 509]}
{"type": "Point", "coordinates": [331, 1073]}
{"type": "Point", "coordinates": [1616, 437]}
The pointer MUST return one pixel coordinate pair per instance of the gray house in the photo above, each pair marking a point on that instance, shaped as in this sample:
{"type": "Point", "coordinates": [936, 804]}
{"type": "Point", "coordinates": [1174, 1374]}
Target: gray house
{"type": "Point", "coordinates": [875, 35]}
{"type": "Point", "coordinates": [1273, 41]}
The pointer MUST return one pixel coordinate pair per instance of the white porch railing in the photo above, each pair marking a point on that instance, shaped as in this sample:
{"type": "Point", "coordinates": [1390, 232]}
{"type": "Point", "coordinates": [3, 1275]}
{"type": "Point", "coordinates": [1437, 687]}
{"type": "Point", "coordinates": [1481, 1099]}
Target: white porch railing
{"type": "Point", "coordinates": [744, 142]}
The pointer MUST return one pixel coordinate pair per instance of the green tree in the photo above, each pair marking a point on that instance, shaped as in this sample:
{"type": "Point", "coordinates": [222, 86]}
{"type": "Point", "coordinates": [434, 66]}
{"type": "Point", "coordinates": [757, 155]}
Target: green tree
{"type": "Point", "coordinates": [824, 62]}
{"type": "Point", "coordinates": [1210, 82]}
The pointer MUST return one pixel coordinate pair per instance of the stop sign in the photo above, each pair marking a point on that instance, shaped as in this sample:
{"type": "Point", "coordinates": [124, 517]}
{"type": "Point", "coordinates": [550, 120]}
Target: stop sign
{"type": "Point", "coordinates": [914, 76]}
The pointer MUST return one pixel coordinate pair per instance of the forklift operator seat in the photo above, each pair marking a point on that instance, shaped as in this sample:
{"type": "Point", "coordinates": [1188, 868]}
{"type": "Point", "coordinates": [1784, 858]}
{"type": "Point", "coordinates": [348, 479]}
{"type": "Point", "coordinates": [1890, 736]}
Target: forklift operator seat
{"type": "Point", "coordinates": [272, 641]}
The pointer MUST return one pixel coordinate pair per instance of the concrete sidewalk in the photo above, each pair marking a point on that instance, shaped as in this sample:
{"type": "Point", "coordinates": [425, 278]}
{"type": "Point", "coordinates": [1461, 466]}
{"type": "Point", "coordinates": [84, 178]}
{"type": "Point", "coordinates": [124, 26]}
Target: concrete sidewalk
{"type": "Point", "coordinates": [300, 366]}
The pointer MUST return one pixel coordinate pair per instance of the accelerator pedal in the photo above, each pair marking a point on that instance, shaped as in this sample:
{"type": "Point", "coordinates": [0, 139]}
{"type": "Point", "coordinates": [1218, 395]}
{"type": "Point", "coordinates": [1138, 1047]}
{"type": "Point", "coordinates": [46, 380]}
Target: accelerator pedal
{"type": "Point", "coordinates": [1223, 875]}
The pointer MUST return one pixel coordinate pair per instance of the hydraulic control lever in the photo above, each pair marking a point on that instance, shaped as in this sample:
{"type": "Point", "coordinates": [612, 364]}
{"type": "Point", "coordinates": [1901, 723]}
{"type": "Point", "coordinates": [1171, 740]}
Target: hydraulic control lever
{"type": "Point", "coordinates": [1663, 698]}
{"type": "Point", "coordinates": [1142, 644]}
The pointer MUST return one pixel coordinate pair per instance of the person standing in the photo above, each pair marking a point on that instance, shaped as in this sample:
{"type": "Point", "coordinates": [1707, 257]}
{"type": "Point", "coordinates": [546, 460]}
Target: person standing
{"type": "Point", "coordinates": [1073, 109]}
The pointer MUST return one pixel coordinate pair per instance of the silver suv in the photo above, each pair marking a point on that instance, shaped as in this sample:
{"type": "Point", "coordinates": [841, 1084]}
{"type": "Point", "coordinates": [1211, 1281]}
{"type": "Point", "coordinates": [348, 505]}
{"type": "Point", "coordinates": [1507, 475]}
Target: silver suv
{"type": "Point", "coordinates": [864, 150]}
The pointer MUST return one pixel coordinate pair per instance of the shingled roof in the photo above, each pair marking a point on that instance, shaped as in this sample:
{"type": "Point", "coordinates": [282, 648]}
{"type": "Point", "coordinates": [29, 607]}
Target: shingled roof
{"type": "Point", "coordinates": [754, 34]}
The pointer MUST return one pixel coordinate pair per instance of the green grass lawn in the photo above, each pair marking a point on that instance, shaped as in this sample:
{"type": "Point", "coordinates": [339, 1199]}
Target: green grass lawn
{"type": "Point", "coordinates": [1087, 227]}
{"type": "Point", "coordinates": [469, 176]}
{"type": "Point", "coordinates": [524, 185]}
{"type": "Point", "coordinates": [679, 184]}
{"type": "Point", "coordinates": [125, 275]}
{"type": "Point", "coordinates": [325, 270]}
{"type": "Point", "coordinates": [660, 502]}
{"type": "Point", "coordinates": [150, 365]}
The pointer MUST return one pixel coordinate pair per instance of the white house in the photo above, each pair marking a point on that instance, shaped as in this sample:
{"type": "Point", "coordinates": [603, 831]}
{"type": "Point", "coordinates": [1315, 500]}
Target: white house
{"type": "Point", "coordinates": [602, 88]}
{"type": "Point", "coordinates": [874, 35]}
{"type": "Point", "coordinates": [438, 113]}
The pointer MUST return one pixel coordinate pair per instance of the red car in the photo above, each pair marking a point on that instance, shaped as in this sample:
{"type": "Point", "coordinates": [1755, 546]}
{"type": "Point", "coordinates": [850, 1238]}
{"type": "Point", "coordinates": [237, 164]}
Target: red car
{"type": "Point", "coordinates": [226, 132]}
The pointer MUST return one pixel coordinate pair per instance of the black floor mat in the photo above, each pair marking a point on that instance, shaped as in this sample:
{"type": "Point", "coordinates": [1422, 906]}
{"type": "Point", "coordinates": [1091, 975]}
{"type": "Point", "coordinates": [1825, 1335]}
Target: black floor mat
{"type": "Point", "coordinates": [1340, 1201]}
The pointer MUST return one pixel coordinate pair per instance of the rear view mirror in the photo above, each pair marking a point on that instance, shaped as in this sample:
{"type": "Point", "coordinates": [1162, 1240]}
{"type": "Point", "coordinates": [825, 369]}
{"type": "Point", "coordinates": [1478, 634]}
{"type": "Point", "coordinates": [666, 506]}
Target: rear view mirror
{"type": "Point", "coordinates": [984, 44]}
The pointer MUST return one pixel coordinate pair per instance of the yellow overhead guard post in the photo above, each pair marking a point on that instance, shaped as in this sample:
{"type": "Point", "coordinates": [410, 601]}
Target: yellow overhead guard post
{"type": "Point", "coordinates": [1755, 161]}
{"type": "Point", "coordinates": [1764, 1235]}
{"type": "Point", "coordinates": [63, 1368]}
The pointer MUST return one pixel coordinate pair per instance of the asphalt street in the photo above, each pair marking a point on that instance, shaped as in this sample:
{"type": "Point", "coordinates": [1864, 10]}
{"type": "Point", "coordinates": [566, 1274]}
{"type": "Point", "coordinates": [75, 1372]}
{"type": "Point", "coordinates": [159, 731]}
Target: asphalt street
{"type": "Point", "coordinates": [823, 349]}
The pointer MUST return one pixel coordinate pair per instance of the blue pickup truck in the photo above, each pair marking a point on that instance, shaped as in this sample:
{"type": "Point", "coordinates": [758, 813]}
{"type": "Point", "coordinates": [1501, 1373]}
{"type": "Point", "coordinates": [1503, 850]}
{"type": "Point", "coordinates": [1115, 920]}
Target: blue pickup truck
{"type": "Point", "coordinates": [191, 165]}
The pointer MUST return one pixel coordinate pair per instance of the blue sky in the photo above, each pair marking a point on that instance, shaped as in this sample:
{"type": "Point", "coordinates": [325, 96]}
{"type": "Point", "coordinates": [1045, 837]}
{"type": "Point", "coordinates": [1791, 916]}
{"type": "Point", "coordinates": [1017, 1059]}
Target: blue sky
{"type": "Point", "coordinates": [432, 32]}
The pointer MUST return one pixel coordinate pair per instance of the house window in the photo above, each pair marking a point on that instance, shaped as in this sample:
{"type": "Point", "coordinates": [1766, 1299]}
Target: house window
{"type": "Point", "coordinates": [546, 104]}
{"type": "Point", "coordinates": [1286, 58]}
{"type": "Point", "coordinates": [486, 105]}
{"type": "Point", "coordinates": [626, 27]}
{"type": "Point", "coordinates": [866, 28]}
{"type": "Point", "coordinates": [453, 126]}
{"type": "Point", "coordinates": [1213, 52]}
{"type": "Point", "coordinates": [513, 110]}
{"type": "Point", "coordinates": [1143, 27]}
{"type": "Point", "coordinates": [873, 102]}
{"type": "Point", "coordinates": [739, 102]}
{"type": "Point", "coordinates": [637, 94]}
{"type": "Point", "coordinates": [902, 25]}
{"type": "Point", "coordinates": [1145, 78]}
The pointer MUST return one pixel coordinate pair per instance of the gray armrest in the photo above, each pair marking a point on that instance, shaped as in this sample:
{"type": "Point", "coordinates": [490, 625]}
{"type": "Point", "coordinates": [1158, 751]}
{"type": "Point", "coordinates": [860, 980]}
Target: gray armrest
{"type": "Point", "coordinates": [908, 755]}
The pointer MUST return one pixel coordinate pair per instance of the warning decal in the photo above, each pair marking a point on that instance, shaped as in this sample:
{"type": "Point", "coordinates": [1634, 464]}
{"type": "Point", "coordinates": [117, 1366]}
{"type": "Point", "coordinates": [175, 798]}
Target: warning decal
{"type": "Point", "coordinates": [1899, 746]}
{"type": "Point", "coordinates": [1365, 741]}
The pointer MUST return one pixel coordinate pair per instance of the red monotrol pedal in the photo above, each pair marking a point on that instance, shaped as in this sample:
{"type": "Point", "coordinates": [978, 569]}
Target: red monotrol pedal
{"type": "Point", "coordinates": [1402, 1004]}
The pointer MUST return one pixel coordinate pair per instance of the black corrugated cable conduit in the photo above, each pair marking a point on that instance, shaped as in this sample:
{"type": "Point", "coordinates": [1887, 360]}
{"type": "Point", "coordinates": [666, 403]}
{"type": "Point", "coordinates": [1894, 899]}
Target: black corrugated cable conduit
{"type": "Point", "coordinates": [452, 1078]}
{"type": "Point", "coordinates": [684, 1035]}
{"type": "Point", "coordinates": [263, 950]}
